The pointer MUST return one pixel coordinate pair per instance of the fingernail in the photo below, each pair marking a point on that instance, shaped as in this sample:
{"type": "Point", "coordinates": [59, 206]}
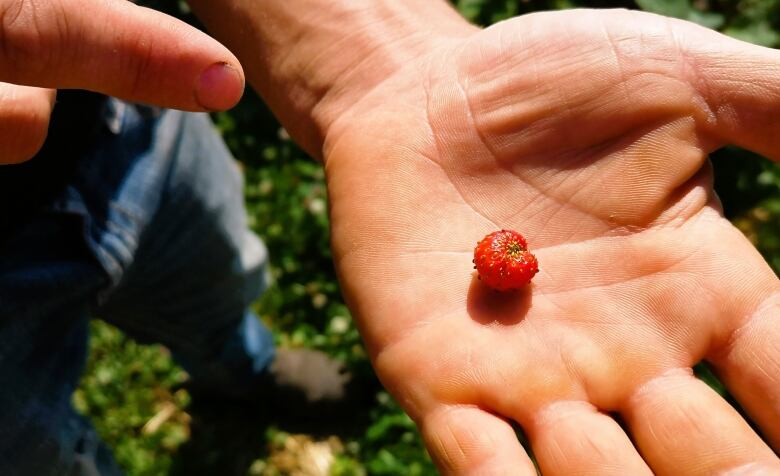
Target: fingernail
{"type": "Point", "coordinates": [219, 87]}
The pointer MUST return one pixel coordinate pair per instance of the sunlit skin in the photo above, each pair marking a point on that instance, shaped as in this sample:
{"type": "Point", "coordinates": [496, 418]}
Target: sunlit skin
{"type": "Point", "coordinates": [593, 140]}
{"type": "Point", "coordinates": [589, 131]}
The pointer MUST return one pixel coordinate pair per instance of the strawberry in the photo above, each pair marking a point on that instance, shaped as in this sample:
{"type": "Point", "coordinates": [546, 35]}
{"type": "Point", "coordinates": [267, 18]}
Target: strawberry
{"type": "Point", "coordinates": [503, 261]}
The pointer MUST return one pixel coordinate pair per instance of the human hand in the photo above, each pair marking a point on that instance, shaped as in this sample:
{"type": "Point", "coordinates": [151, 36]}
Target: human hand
{"type": "Point", "coordinates": [588, 132]}
{"type": "Point", "coordinates": [112, 47]}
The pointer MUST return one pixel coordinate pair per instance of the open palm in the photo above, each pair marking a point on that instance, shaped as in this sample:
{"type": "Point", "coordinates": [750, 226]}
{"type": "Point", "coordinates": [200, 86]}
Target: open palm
{"type": "Point", "coordinates": [588, 132]}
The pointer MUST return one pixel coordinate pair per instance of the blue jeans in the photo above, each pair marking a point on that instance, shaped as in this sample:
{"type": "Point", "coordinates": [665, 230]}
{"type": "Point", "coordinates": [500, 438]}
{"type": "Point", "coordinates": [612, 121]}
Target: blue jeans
{"type": "Point", "coordinates": [150, 236]}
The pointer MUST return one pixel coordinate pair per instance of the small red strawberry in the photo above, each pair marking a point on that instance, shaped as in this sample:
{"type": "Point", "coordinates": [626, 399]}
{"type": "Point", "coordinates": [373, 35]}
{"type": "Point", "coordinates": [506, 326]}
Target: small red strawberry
{"type": "Point", "coordinates": [503, 261]}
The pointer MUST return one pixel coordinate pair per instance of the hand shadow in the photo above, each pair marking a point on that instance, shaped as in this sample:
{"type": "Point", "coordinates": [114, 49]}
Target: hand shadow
{"type": "Point", "coordinates": [225, 439]}
{"type": "Point", "coordinates": [228, 436]}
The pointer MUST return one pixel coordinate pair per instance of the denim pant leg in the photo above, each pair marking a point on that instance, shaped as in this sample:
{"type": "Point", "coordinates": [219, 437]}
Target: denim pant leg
{"type": "Point", "coordinates": [184, 263]}
{"type": "Point", "coordinates": [152, 232]}
{"type": "Point", "coordinates": [48, 278]}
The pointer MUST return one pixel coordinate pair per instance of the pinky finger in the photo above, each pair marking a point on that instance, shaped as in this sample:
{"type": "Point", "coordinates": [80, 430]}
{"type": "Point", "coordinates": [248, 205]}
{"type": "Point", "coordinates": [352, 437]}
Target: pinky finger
{"type": "Point", "coordinates": [469, 440]}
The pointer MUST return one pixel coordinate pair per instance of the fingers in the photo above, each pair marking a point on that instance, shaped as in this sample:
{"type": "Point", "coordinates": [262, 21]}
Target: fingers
{"type": "Point", "coordinates": [117, 48]}
{"type": "Point", "coordinates": [468, 440]}
{"type": "Point", "coordinates": [24, 121]}
{"type": "Point", "coordinates": [740, 85]}
{"type": "Point", "coordinates": [750, 368]}
{"type": "Point", "coordinates": [575, 438]}
{"type": "Point", "coordinates": [682, 426]}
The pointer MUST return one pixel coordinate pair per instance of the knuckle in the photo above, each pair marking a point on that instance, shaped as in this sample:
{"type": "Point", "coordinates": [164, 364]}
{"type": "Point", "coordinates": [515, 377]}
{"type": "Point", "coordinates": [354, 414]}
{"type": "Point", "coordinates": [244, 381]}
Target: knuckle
{"type": "Point", "coordinates": [10, 14]}
{"type": "Point", "coordinates": [138, 68]}
{"type": "Point", "coordinates": [456, 446]}
{"type": "Point", "coordinates": [31, 35]}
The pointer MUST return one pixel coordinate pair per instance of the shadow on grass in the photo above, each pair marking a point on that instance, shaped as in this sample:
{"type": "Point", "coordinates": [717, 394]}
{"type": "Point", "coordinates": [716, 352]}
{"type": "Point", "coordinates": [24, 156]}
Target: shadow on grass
{"type": "Point", "coordinates": [228, 436]}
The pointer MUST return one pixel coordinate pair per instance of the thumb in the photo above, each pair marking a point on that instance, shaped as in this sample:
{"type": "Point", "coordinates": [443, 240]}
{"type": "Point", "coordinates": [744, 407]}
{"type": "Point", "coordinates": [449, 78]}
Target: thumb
{"type": "Point", "coordinates": [740, 85]}
{"type": "Point", "coordinates": [116, 48]}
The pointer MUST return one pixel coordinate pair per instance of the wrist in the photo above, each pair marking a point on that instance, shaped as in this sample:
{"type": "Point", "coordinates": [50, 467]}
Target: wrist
{"type": "Point", "coordinates": [311, 60]}
{"type": "Point", "coordinates": [388, 37]}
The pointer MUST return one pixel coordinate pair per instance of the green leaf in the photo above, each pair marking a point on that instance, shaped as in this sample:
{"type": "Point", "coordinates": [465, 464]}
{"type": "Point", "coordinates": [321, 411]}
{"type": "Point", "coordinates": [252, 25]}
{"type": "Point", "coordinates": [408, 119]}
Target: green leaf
{"type": "Point", "coordinates": [758, 32]}
{"type": "Point", "coordinates": [707, 19]}
{"type": "Point", "coordinates": [671, 8]}
{"type": "Point", "coordinates": [470, 8]}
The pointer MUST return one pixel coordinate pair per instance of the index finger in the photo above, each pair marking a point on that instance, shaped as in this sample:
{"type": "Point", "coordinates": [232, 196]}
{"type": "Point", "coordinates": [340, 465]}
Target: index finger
{"type": "Point", "coordinates": [749, 365]}
{"type": "Point", "coordinates": [116, 48]}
